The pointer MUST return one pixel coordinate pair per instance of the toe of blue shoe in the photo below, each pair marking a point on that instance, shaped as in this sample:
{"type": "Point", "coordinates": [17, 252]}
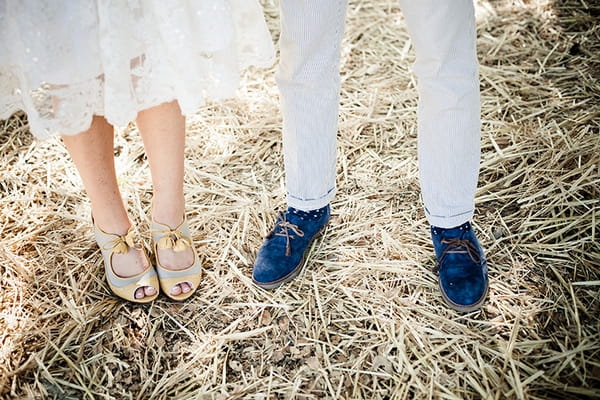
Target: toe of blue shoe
{"type": "Point", "coordinates": [272, 266]}
{"type": "Point", "coordinates": [464, 289]}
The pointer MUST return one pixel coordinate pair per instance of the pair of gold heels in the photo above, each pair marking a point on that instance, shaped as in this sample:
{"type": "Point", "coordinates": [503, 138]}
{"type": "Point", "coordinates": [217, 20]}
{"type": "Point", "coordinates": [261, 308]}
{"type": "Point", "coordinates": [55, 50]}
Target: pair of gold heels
{"type": "Point", "coordinates": [163, 237]}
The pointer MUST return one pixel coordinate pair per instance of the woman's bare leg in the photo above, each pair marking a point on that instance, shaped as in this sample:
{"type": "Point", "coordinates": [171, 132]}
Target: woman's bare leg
{"type": "Point", "coordinates": [163, 131]}
{"type": "Point", "coordinates": [92, 153]}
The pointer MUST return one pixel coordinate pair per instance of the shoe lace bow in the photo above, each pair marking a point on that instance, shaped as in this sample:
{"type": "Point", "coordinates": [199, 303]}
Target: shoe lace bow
{"type": "Point", "coordinates": [173, 239]}
{"type": "Point", "coordinates": [285, 227]}
{"type": "Point", "coordinates": [122, 243]}
{"type": "Point", "coordinates": [458, 246]}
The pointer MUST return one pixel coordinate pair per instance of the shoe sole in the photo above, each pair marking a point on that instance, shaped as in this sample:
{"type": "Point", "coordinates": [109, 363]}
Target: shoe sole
{"type": "Point", "coordinates": [461, 308]}
{"type": "Point", "coordinates": [296, 271]}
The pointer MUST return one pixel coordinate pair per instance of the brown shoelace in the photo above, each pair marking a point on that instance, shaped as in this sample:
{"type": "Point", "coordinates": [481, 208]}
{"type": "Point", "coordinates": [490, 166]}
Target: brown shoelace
{"type": "Point", "coordinates": [458, 246]}
{"type": "Point", "coordinates": [285, 227]}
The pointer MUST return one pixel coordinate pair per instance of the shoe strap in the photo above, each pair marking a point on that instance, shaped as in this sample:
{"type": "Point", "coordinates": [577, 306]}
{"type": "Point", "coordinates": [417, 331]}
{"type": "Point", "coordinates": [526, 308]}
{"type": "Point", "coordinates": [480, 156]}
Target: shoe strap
{"type": "Point", "coordinates": [143, 279]}
{"type": "Point", "coordinates": [178, 239]}
{"type": "Point", "coordinates": [119, 244]}
{"type": "Point", "coordinates": [193, 269]}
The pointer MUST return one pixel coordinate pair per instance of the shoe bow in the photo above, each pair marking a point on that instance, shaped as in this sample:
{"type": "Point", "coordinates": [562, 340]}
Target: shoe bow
{"type": "Point", "coordinates": [285, 227]}
{"type": "Point", "coordinates": [173, 240]}
{"type": "Point", "coordinates": [121, 244]}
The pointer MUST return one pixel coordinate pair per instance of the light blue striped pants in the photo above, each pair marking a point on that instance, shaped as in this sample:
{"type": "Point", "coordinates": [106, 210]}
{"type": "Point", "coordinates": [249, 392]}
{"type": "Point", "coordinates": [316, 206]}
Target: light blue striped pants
{"type": "Point", "coordinates": [443, 35]}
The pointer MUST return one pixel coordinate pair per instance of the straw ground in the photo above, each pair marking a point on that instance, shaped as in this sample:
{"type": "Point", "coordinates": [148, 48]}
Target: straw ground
{"type": "Point", "coordinates": [364, 319]}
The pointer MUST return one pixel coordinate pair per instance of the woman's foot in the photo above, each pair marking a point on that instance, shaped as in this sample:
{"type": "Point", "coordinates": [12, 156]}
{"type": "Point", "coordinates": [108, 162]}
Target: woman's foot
{"type": "Point", "coordinates": [130, 264]}
{"type": "Point", "coordinates": [124, 258]}
{"type": "Point", "coordinates": [176, 261]}
{"type": "Point", "coordinates": [174, 252]}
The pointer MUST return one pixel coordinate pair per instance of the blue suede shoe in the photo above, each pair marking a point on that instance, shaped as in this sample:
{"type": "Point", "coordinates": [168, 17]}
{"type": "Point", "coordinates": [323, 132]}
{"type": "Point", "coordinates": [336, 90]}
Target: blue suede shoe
{"type": "Point", "coordinates": [282, 255]}
{"type": "Point", "coordinates": [461, 267]}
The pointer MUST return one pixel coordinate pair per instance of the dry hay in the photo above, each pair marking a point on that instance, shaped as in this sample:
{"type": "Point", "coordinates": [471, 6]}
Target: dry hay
{"type": "Point", "coordinates": [365, 319]}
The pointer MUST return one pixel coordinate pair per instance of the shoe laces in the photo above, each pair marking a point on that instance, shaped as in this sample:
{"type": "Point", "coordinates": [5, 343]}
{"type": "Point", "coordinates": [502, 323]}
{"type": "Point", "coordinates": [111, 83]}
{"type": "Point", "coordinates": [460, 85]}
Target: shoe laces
{"type": "Point", "coordinates": [285, 227]}
{"type": "Point", "coordinates": [173, 239]}
{"type": "Point", "coordinates": [458, 246]}
{"type": "Point", "coordinates": [122, 243]}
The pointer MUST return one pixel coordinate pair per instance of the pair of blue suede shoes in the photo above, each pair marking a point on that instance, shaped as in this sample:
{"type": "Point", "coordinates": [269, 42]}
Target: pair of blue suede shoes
{"type": "Point", "coordinates": [461, 265]}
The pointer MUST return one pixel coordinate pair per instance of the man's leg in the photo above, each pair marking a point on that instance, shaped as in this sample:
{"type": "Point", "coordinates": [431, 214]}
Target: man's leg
{"type": "Point", "coordinates": [444, 38]}
{"type": "Point", "coordinates": [309, 82]}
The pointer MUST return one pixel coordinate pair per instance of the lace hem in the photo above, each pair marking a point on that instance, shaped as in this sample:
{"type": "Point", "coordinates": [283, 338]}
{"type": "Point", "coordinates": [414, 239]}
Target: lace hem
{"type": "Point", "coordinates": [148, 52]}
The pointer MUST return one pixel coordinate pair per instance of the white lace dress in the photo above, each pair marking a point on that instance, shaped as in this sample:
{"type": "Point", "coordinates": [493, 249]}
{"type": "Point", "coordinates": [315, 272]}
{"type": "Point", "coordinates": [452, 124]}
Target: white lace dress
{"type": "Point", "coordinates": [63, 61]}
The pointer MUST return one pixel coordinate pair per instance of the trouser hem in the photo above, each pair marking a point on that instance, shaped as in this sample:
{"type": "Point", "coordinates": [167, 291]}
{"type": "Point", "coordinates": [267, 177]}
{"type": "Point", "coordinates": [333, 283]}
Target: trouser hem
{"type": "Point", "coordinates": [305, 204]}
{"type": "Point", "coordinates": [451, 221]}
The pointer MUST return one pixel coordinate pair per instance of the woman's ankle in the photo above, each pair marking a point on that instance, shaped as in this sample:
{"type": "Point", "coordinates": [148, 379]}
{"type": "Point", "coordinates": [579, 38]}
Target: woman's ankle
{"type": "Point", "coordinates": [168, 213]}
{"type": "Point", "coordinates": [111, 223]}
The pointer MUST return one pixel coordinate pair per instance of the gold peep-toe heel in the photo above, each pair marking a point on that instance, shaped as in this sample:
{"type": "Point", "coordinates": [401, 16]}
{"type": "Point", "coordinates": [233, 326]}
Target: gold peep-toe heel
{"type": "Point", "coordinates": [178, 239]}
{"type": "Point", "coordinates": [125, 288]}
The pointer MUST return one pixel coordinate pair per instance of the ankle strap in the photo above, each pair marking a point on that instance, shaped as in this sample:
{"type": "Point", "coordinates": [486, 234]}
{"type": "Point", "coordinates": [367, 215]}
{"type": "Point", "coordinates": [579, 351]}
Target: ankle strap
{"type": "Point", "coordinates": [118, 244]}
